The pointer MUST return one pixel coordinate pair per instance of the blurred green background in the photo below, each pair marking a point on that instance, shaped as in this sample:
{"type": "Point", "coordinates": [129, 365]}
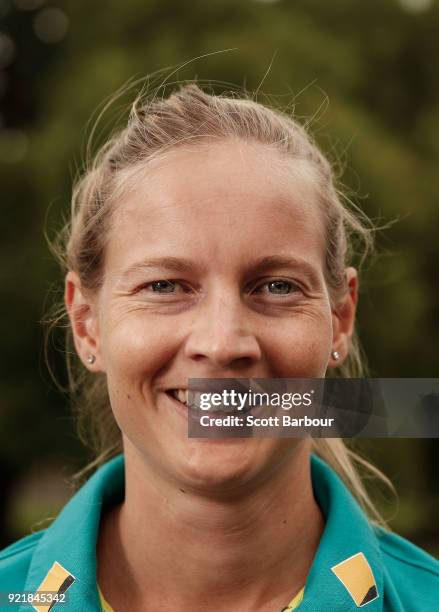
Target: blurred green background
{"type": "Point", "coordinates": [367, 72]}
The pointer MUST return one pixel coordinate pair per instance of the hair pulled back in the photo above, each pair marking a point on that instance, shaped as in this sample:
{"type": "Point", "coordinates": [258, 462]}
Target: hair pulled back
{"type": "Point", "coordinates": [155, 125]}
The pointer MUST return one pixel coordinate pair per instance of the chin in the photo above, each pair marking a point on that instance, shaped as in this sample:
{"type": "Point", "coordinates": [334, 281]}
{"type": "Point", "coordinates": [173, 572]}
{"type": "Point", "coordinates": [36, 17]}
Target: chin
{"type": "Point", "coordinates": [220, 465]}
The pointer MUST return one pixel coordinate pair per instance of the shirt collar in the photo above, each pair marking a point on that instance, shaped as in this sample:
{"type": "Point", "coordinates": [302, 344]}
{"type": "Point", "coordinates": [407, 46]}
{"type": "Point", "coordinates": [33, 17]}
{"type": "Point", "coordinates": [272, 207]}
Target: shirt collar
{"type": "Point", "coordinates": [347, 532]}
{"type": "Point", "coordinates": [72, 537]}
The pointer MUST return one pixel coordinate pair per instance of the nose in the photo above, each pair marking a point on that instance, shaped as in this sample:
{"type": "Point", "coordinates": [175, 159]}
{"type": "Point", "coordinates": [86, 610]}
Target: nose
{"type": "Point", "coordinates": [221, 336]}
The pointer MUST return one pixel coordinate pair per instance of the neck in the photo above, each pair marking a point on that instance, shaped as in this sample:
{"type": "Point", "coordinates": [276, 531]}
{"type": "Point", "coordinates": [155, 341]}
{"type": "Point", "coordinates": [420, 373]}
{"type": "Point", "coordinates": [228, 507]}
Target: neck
{"type": "Point", "coordinates": [177, 549]}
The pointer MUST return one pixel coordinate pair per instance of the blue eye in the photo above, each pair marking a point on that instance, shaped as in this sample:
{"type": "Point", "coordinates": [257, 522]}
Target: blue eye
{"type": "Point", "coordinates": [163, 286]}
{"type": "Point", "coordinates": [280, 287]}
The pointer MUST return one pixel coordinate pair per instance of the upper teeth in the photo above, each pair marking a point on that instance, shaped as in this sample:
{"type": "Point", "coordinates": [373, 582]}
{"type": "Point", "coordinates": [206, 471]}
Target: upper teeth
{"type": "Point", "coordinates": [181, 395]}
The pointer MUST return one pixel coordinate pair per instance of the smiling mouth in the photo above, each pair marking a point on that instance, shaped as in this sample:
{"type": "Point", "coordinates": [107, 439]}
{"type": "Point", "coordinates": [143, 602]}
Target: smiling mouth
{"type": "Point", "coordinates": [181, 395]}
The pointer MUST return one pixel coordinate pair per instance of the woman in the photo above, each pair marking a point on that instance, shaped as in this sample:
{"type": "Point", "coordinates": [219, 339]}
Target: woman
{"type": "Point", "coordinates": [207, 240]}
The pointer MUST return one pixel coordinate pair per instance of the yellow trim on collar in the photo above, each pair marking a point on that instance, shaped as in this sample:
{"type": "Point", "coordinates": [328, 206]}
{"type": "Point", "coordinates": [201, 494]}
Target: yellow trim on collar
{"type": "Point", "coordinates": [297, 599]}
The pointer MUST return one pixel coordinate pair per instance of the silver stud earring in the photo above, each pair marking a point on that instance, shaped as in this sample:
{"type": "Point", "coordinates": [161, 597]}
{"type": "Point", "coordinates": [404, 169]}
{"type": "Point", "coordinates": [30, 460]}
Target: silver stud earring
{"type": "Point", "coordinates": [335, 355]}
{"type": "Point", "coordinates": [91, 359]}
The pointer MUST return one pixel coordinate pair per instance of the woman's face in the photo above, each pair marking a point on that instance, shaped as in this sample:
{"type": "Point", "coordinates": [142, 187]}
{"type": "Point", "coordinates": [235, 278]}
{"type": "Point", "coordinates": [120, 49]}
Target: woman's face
{"type": "Point", "coordinates": [214, 269]}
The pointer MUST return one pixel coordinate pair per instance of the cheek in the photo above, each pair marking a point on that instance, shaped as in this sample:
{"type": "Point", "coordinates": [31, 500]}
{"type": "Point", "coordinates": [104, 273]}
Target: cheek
{"type": "Point", "coordinates": [300, 347]}
{"type": "Point", "coordinates": [136, 348]}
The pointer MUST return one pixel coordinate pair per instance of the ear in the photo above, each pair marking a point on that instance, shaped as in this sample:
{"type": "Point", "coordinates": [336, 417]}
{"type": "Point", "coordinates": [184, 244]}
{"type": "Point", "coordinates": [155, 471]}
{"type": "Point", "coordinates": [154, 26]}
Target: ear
{"type": "Point", "coordinates": [343, 318]}
{"type": "Point", "coordinates": [84, 322]}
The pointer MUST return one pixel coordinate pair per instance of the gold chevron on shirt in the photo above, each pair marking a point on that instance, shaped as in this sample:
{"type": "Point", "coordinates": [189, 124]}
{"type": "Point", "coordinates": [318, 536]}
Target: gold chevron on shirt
{"type": "Point", "coordinates": [357, 577]}
{"type": "Point", "coordinates": [57, 580]}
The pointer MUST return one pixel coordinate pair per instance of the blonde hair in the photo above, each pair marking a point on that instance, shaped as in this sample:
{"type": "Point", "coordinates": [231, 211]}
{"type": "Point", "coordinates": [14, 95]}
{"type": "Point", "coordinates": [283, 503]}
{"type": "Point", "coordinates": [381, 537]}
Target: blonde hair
{"type": "Point", "coordinates": [155, 125]}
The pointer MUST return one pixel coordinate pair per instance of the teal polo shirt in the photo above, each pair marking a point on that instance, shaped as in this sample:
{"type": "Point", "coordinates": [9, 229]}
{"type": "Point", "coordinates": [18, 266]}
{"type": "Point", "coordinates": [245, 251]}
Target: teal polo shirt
{"type": "Point", "coordinates": [356, 565]}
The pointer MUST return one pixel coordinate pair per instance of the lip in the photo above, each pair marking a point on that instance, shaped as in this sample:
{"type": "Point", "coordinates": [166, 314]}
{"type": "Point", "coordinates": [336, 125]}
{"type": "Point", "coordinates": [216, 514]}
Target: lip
{"type": "Point", "coordinates": [209, 383]}
{"type": "Point", "coordinates": [181, 408]}
{"type": "Point", "coordinates": [212, 385]}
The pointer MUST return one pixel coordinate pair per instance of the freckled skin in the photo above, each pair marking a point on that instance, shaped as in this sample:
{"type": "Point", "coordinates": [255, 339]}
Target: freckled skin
{"type": "Point", "coordinates": [217, 207]}
{"type": "Point", "coordinates": [221, 206]}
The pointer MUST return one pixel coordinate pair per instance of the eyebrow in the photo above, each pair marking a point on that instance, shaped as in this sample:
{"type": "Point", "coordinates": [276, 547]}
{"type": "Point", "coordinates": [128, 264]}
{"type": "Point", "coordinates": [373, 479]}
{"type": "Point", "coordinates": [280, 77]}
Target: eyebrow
{"type": "Point", "coordinates": [280, 261]}
{"type": "Point", "coordinates": [174, 264]}
{"type": "Point", "coordinates": [271, 262]}
{"type": "Point", "coordinates": [182, 265]}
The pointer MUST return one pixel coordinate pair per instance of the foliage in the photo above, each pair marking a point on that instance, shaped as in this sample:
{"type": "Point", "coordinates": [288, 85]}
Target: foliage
{"type": "Point", "coordinates": [365, 72]}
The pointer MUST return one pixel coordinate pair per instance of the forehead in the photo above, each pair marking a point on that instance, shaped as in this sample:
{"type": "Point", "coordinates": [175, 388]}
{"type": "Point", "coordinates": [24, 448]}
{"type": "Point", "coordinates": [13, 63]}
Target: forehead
{"type": "Point", "coordinates": [224, 199]}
